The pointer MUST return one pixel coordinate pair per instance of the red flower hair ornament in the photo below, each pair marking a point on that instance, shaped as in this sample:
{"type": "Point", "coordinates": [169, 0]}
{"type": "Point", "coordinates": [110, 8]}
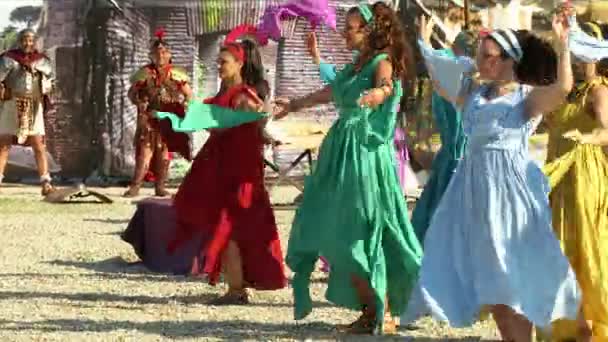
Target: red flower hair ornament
{"type": "Point", "coordinates": [232, 45]}
{"type": "Point", "coordinates": [159, 39]}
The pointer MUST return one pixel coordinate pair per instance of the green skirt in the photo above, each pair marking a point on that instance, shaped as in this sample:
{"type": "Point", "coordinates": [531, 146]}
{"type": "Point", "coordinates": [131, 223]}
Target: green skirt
{"type": "Point", "coordinates": [353, 213]}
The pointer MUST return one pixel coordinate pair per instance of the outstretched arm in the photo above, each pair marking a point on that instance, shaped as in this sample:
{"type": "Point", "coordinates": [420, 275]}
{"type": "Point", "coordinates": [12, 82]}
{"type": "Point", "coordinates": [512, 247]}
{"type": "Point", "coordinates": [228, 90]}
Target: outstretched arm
{"type": "Point", "coordinates": [446, 72]}
{"type": "Point", "coordinates": [322, 96]}
{"type": "Point", "coordinates": [284, 107]}
{"type": "Point", "coordinates": [545, 99]}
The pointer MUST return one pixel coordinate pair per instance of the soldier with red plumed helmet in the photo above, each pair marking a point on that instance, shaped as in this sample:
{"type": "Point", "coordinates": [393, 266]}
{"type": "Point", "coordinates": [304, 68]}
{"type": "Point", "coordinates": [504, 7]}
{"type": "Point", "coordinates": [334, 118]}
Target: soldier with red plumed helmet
{"type": "Point", "coordinates": [158, 86]}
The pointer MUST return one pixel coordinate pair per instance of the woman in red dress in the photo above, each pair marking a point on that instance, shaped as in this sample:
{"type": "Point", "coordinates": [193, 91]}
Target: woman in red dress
{"type": "Point", "coordinates": [223, 197]}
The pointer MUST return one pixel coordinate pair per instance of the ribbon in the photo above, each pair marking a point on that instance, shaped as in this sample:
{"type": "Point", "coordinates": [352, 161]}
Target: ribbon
{"type": "Point", "coordinates": [201, 116]}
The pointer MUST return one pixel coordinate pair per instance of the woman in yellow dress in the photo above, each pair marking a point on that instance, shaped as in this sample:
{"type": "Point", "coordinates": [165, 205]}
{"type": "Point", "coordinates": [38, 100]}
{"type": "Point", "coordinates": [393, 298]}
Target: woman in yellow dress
{"type": "Point", "coordinates": [577, 167]}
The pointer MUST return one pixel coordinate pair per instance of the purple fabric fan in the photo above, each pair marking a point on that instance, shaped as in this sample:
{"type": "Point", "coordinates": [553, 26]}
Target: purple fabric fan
{"type": "Point", "coordinates": [317, 12]}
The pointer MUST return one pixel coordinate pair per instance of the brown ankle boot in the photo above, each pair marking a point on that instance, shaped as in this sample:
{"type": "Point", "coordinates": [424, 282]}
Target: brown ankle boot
{"type": "Point", "coordinates": [141, 167]}
{"type": "Point", "coordinates": [162, 173]}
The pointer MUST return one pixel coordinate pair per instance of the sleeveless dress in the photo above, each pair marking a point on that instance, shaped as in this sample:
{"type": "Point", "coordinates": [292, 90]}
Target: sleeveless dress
{"type": "Point", "coordinates": [353, 211]}
{"type": "Point", "coordinates": [579, 198]}
{"type": "Point", "coordinates": [490, 240]}
{"type": "Point", "coordinates": [223, 198]}
{"type": "Point", "coordinates": [407, 177]}
{"type": "Point", "coordinates": [453, 142]}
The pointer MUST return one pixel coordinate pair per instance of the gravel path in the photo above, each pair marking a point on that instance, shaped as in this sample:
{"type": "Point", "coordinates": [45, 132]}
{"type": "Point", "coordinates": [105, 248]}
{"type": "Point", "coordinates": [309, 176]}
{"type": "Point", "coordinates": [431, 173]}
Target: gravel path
{"type": "Point", "coordinates": [66, 275]}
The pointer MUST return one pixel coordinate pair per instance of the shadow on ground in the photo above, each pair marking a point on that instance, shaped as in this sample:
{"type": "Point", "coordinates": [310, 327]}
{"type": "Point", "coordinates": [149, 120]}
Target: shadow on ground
{"type": "Point", "coordinates": [117, 267]}
{"type": "Point", "coordinates": [233, 329]}
{"type": "Point", "coordinates": [108, 221]}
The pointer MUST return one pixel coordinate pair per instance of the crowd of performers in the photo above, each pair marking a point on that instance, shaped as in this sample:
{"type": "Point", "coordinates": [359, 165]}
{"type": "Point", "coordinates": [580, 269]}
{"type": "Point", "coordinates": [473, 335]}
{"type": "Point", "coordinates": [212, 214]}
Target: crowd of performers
{"type": "Point", "coordinates": [491, 234]}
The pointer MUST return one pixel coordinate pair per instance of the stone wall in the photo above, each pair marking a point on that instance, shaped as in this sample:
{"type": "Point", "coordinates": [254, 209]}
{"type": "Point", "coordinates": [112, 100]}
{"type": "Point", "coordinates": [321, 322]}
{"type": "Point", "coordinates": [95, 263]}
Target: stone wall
{"type": "Point", "coordinates": [297, 75]}
{"type": "Point", "coordinates": [127, 44]}
{"type": "Point", "coordinates": [96, 50]}
{"type": "Point", "coordinates": [61, 36]}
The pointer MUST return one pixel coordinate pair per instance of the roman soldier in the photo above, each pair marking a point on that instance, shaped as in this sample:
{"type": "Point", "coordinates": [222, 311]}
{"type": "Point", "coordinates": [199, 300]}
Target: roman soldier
{"type": "Point", "coordinates": [26, 77]}
{"type": "Point", "coordinates": [158, 86]}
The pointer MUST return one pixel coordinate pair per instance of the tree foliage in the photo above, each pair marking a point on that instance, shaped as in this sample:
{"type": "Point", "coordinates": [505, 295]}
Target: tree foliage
{"type": "Point", "coordinates": [27, 15]}
{"type": "Point", "coordinates": [8, 37]}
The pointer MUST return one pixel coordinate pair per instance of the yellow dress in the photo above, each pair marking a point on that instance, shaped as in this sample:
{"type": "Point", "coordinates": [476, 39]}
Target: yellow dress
{"type": "Point", "coordinates": [578, 175]}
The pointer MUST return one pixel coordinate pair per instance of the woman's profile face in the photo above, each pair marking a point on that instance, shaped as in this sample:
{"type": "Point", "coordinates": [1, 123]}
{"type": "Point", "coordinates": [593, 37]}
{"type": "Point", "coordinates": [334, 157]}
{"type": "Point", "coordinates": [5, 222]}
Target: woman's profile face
{"type": "Point", "coordinates": [354, 33]}
{"type": "Point", "coordinates": [228, 66]}
{"type": "Point", "coordinates": [490, 64]}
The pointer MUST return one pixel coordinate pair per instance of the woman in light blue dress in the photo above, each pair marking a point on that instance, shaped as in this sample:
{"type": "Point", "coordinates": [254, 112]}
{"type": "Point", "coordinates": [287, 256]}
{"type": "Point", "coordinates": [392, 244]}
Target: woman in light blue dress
{"type": "Point", "coordinates": [490, 244]}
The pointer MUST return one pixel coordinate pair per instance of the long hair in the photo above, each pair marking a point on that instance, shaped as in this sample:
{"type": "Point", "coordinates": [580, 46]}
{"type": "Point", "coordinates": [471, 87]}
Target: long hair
{"type": "Point", "coordinates": [252, 71]}
{"type": "Point", "coordinates": [386, 35]}
{"type": "Point", "coordinates": [538, 64]}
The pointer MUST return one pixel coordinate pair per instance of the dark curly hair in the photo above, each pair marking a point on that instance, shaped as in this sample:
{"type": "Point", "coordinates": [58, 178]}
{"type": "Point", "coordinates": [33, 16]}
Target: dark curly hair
{"type": "Point", "coordinates": [600, 31]}
{"type": "Point", "coordinates": [252, 71]}
{"type": "Point", "coordinates": [538, 65]}
{"type": "Point", "coordinates": [386, 35]}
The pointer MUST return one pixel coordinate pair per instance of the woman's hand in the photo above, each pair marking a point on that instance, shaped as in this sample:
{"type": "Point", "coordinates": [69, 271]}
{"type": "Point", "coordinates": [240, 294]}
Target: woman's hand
{"type": "Point", "coordinates": [373, 98]}
{"type": "Point", "coordinates": [576, 136]}
{"type": "Point", "coordinates": [142, 105]}
{"type": "Point", "coordinates": [282, 108]}
{"type": "Point", "coordinates": [313, 48]}
{"type": "Point", "coordinates": [561, 28]}
{"type": "Point", "coordinates": [425, 28]}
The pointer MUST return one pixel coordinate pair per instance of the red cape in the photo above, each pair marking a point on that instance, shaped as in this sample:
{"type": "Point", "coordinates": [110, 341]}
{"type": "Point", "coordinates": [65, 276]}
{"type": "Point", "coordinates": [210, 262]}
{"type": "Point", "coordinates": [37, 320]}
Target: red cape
{"type": "Point", "coordinates": [23, 58]}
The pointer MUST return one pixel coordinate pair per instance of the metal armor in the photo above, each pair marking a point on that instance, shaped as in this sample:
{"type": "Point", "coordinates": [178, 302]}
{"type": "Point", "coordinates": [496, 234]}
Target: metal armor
{"type": "Point", "coordinates": [26, 86]}
{"type": "Point", "coordinates": [167, 91]}
{"type": "Point", "coordinates": [21, 82]}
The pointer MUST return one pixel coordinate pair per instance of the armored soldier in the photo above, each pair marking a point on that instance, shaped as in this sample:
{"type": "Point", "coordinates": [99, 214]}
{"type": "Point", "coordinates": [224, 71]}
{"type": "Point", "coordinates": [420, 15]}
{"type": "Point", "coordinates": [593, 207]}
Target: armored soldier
{"type": "Point", "coordinates": [158, 86]}
{"type": "Point", "coordinates": [26, 77]}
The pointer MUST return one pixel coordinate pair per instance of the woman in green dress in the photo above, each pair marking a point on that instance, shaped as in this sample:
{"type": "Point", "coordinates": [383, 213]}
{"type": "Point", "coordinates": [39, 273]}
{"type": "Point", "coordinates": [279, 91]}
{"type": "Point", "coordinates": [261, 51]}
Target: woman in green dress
{"type": "Point", "coordinates": [353, 211]}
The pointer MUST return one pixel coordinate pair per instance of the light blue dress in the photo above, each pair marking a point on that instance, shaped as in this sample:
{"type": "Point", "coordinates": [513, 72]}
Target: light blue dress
{"type": "Point", "coordinates": [490, 240]}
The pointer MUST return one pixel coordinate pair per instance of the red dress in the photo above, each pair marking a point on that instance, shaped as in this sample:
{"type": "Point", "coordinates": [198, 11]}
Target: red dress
{"type": "Point", "coordinates": [223, 197]}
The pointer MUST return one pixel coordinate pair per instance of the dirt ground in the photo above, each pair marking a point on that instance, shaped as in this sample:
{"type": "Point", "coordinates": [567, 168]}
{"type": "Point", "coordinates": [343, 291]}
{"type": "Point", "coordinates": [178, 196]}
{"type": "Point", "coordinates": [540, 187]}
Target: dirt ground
{"type": "Point", "coordinates": [65, 275]}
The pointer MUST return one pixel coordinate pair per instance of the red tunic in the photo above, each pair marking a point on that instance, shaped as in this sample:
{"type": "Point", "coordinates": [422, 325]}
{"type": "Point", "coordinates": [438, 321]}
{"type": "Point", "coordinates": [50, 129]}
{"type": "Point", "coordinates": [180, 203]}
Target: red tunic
{"type": "Point", "coordinates": [224, 198]}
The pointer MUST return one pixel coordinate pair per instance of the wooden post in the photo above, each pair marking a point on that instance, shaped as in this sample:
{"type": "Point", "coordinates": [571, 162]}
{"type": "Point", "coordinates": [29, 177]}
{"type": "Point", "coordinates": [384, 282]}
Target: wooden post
{"type": "Point", "coordinates": [466, 14]}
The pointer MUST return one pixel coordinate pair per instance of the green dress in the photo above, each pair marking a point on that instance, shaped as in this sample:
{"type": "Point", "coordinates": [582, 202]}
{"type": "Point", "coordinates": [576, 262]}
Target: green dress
{"type": "Point", "coordinates": [353, 211]}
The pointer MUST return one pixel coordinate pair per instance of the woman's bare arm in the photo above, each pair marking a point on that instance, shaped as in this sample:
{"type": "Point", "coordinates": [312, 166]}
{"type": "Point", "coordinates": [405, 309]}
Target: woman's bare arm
{"type": "Point", "coordinates": [322, 96]}
{"type": "Point", "coordinates": [545, 99]}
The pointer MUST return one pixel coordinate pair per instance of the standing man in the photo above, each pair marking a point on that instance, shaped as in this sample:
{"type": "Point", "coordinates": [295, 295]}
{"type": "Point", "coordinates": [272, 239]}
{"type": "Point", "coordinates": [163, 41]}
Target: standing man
{"type": "Point", "coordinates": [158, 86]}
{"type": "Point", "coordinates": [26, 77]}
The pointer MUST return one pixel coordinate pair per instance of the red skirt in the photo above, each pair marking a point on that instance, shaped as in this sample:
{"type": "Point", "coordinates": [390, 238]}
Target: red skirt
{"type": "Point", "coordinates": [223, 198]}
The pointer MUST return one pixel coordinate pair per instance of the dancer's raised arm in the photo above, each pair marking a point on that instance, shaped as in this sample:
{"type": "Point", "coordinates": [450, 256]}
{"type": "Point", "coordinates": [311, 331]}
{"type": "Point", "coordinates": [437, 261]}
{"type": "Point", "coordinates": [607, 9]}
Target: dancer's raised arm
{"type": "Point", "coordinates": [545, 99]}
{"type": "Point", "coordinates": [446, 72]}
